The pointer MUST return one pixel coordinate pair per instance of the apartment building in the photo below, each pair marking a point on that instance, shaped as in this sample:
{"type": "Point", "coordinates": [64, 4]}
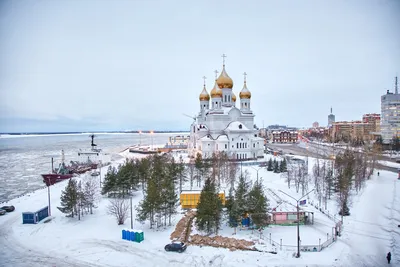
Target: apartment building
{"type": "Point", "coordinates": [390, 111]}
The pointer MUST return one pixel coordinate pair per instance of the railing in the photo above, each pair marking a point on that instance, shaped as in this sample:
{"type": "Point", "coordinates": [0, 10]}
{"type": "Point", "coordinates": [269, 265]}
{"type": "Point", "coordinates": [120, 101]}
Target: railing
{"type": "Point", "coordinates": [303, 248]}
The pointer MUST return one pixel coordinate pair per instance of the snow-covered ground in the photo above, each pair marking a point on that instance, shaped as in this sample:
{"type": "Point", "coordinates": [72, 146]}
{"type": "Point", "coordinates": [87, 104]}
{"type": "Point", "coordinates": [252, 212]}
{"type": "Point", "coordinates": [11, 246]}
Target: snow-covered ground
{"type": "Point", "coordinates": [369, 233]}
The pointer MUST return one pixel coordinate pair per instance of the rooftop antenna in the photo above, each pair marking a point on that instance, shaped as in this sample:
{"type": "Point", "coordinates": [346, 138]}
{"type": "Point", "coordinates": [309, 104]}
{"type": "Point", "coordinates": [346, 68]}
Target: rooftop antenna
{"type": "Point", "coordinates": [331, 110]}
{"type": "Point", "coordinates": [395, 86]}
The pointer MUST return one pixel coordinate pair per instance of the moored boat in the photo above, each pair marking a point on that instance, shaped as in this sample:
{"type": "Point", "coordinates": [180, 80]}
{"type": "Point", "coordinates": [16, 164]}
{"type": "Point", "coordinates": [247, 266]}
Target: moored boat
{"type": "Point", "coordinates": [57, 175]}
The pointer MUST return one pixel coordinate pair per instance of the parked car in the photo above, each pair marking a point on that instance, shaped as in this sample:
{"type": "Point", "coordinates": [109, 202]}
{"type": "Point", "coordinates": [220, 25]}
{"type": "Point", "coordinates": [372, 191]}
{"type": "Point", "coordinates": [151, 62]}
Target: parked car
{"type": "Point", "coordinates": [95, 173]}
{"type": "Point", "coordinates": [8, 208]}
{"type": "Point", "coordinates": [2, 212]}
{"type": "Point", "coordinates": [176, 246]}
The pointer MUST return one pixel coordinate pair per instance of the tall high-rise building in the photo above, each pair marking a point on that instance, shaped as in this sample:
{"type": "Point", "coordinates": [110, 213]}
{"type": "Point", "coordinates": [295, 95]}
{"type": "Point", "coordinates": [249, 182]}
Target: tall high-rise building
{"type": "Point", "coordinates": [331, 118]}
{"type": "Point", "coordinates": [390, 114]}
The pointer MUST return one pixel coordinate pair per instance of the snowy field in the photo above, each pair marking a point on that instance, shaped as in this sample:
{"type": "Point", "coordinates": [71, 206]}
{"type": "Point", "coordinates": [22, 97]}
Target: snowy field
{"type": "Point", "coordinates": [369, 233]}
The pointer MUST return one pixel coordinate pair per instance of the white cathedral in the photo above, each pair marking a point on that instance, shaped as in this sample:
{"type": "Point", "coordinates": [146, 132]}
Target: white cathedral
{"type": "Point", "coordinates": [224, 127]}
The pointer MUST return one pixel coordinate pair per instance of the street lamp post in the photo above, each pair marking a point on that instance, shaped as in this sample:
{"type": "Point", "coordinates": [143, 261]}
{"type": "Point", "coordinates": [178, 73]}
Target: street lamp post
{"type": "Point", "coordinates": [298, 219]}
{"type": "Point", "coordinates": [48, 194]}
{"type": "Point", "coordinates": [131, 210]}
{"type": "Point", "coordinates": [100, 172]}
{"type": "Point", "coordinates": [257, 171]}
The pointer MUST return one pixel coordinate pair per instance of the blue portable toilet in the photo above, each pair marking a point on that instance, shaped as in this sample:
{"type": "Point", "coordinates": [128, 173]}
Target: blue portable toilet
{"type": "Point", "coordinates": [132, 236]}
{"type": "Point", "coordinates": [124, 234]}
{"type": "Point", "coordinates": [35, 217]}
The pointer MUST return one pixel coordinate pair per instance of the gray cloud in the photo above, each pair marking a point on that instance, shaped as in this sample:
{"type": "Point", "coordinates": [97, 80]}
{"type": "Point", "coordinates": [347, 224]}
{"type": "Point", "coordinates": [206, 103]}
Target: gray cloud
{"type": "Point", "coordinates": [138, 64]}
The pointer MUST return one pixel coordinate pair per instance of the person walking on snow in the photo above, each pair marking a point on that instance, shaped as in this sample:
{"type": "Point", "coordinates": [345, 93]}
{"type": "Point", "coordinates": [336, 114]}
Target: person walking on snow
{"type": "Point", "coordinates": [389, 257]}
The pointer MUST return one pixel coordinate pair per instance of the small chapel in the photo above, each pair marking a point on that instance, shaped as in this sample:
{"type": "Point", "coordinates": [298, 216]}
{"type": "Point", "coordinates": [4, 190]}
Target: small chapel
{"type": "Point", "coordinates": [220, 126]}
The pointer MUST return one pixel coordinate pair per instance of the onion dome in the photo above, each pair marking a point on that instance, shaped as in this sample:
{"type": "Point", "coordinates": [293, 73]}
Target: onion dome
{"type": "Point", "coordinates": [216, 91]}
{"type": "Point", "coordinates": [245, 93]}
{"type": "Point", "coordinates": [233, 97]}
{"type": "Point", "coordinates": [224, 81]}
{"type": "Point", "coordinates": [204, 96]}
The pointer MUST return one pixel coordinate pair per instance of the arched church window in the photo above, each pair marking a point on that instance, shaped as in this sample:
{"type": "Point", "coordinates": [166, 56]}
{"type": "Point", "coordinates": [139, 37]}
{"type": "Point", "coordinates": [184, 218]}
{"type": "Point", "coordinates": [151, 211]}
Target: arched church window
{"type": "Point", "coordinates": [245, 104]}
{"type": "Point", "coordinates": [240, 127]}
{"type": "Point", "coordinates": [225, 98]}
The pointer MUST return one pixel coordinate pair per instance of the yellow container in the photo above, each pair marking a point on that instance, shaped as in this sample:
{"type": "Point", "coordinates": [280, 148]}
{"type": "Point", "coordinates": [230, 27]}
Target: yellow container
{"type": "Point", "coordinates": [190, 199]}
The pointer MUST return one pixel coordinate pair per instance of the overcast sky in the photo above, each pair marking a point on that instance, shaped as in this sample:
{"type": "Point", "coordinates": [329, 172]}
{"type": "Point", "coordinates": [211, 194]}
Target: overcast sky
{"type": "Point", "coordinates": [118, 65]}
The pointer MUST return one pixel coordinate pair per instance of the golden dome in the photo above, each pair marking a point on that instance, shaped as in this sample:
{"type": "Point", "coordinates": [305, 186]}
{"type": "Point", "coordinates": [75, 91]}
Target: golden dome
{"type": "Point", "coordinates": [233, 97]}
{"type": "Point", "coordinates": [245, 93]}
{"type": "Point", "coordinates": [204, 96]}
{"type": "Point", "coordinates": [216, 91]}
{"type": "Point", "coordinates": [224, 81]}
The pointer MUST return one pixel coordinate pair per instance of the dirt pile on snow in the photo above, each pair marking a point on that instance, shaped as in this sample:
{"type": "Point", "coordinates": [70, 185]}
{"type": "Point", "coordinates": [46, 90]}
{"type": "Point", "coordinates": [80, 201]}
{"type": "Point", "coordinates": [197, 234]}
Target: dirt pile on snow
{"type": "Point", "coordinates": [182, 229]}
{"type": "Point", "coordinates": [221, 242]}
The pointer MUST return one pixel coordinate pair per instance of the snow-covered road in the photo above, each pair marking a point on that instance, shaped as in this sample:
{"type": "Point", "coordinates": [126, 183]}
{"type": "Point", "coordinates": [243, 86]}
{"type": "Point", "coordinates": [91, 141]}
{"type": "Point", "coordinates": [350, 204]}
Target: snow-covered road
{"type": "Point", "coordinates": [371, 231]}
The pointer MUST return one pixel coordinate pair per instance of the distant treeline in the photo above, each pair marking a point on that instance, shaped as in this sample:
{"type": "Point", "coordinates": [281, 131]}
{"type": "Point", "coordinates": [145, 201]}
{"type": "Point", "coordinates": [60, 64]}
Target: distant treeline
{"type": "Point", "coordinates": [45, 133]}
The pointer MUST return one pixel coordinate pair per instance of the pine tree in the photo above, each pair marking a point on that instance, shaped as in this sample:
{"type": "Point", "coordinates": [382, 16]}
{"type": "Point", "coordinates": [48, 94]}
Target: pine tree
{"type": "Point", "coordinates": [148, 207]}
{"type": "Point", "coordinates": [233, 210]}
{"type": "Point", "coordinates": [241, 194]}
{"type": "Point", "coordinates": [208, 217]}
{"type": "Point", "coordinates": [69, 198]}
{"type": "Point", "coordinates": [276, 166]}
{"type": "Point", "coordinates": [270, 166]}
{"type": "Point", "coordinates": [169, 197]}
{"type": "Point", "coordinates": [181, 173]}
{"type": "Point", "coordinates": [110, 181]}
{"type": "Point", "coordinates": [282, 166]}
{"type": "Point", "coordinates": [258, 205]}
{"type": "Point", "coordinates": [199, 165]}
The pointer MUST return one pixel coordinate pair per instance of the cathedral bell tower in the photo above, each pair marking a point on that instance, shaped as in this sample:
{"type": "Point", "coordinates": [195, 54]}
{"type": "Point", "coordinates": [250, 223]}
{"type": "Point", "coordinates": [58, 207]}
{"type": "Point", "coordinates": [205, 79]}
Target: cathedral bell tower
{"type": "Point", "coordinates": [216, 95]}
{"type": "Point", "coordinates": [245, 96]}
{"type": "Point", "coordinates": [204, 98]}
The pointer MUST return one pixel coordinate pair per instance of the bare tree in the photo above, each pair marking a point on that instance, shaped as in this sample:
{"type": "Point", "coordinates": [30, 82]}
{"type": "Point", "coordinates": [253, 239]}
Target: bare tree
{"type": "Point", "coordinates": [344, 166]}
{"type": "Point", "coordinates": [303, 177]}
{"type": "Point", "coordinates": [290, 172]}
{"type": "Point", "coordinates": [91, 192]}
{"type": "Point", "coordinates": [233, 172]}
{"type": "Point", "coordinates": [119, 208]}
{"type": "Point", "coordinates": [191, 173]}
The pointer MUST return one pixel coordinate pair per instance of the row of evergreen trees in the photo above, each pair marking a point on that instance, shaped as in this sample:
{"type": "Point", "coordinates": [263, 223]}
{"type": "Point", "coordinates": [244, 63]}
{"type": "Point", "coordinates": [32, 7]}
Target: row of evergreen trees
{"type": "Point", "coordinates": [160, 192]}
{"type": "Point", "coordinates": [244, 200]}
{"type": "Point", "coordinates": [277, 166]}
{"type": "Point", "coordinates": [78, 199]}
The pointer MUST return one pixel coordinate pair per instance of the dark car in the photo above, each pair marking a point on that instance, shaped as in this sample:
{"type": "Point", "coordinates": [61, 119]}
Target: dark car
{"type": "Point", "coordinates": [179, 247]}
{"type": "Point", "coordinates": [8, 208]}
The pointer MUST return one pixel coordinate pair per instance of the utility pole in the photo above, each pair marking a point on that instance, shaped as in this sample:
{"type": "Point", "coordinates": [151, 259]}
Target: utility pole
{"type": "Point", "coordinates": [131, 210]}
{"type": "Point", "coordinates": [48, 195]}
{"type": "Point", "coordinates": [298, 219]}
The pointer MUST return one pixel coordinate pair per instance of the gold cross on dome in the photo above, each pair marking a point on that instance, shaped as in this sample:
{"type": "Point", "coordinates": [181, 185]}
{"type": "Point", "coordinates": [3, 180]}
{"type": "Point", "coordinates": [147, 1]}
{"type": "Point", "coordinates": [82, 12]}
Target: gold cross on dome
{"type": "Point", "coordinates": [204, 79]}
{"type": "Point", "coordinates": [216, 74]}
{"type": "Point", "coordinates": [244, 74]}
{"type": "Point", "coordinates": [223, 59]}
